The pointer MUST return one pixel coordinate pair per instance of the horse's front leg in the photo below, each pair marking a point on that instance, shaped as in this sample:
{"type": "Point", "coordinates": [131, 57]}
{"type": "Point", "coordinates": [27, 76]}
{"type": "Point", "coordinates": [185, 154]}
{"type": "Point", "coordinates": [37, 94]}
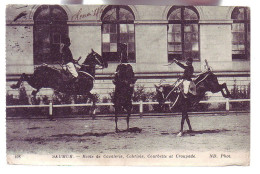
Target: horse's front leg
{"type": "Point", "coordinates": [34, 92]}
{"type": "Point", "coordinates": [116, 118]}
{"type": "Point", "coordinates": [18, 84]}
{"type": "Point", "coordinates": [128, 116]}
{"type": "Point", "coordinates": [227, 94]}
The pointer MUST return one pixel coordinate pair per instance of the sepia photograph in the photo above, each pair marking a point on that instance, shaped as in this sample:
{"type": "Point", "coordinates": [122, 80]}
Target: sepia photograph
{"type": "Point", "coordinates": [128, 85]}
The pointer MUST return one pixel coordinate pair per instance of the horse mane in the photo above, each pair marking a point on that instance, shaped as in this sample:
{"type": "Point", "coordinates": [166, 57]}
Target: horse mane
{"type": "Point", "coordinates": [201, 76]}
{"type": "Point", "coordinates": [45, 67]}
{"type": "Point", "coordinates": [86, 62]}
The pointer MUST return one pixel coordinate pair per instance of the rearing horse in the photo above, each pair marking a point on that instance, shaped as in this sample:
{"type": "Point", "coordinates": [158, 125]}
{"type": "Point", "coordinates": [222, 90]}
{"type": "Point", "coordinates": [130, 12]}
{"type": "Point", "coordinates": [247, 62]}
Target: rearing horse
{"type": "Point", "coordinates": [124, 87]}
{"type": "Point", "coordinates": [206, 81]}
{"type": "Point", "coordinates": [48, 77]}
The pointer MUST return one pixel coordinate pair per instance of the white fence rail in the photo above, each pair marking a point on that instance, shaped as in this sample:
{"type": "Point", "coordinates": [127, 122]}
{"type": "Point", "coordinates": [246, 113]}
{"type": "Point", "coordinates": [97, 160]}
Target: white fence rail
{"type": "Point", "coordinates": [141, 104]}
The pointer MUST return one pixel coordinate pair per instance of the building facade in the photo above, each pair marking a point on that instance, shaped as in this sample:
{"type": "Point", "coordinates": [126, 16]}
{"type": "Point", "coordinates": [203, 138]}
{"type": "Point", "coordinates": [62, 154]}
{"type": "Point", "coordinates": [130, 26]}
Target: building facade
{"type": "Point", "coordinates": [154, 35]}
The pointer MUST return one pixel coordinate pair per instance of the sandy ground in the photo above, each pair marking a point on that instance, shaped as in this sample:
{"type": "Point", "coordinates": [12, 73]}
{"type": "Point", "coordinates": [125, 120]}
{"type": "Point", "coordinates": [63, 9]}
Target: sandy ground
{"type": "Point", "coordinates": [229, 133]}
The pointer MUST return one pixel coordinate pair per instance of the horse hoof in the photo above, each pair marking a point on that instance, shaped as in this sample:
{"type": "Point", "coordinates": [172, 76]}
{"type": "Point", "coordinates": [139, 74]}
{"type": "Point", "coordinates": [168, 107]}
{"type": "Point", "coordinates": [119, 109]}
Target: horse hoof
{"type": "Point", "coordinates": [189, 131]}
{"type": "Point", "coordinates": [179, 134]}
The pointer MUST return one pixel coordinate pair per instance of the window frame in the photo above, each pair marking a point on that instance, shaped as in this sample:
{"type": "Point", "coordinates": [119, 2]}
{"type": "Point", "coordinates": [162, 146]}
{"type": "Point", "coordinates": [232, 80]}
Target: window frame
{"type": "Point", "coordinates": [183, 22]}
{"type": "Point", "coordinates": [117, 22]}
{"type": "Point", "coordinates": [246, 23]}
{"type": "Point", "coordinates": [53, 25]}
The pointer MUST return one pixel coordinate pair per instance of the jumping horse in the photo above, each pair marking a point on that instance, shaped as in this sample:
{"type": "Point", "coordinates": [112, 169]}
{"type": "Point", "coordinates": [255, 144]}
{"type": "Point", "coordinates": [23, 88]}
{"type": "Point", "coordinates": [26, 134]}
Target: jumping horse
{"type": "Point", "coordinates": [49, 77]}
{"type": "Point", "coordinates": [206, 81]}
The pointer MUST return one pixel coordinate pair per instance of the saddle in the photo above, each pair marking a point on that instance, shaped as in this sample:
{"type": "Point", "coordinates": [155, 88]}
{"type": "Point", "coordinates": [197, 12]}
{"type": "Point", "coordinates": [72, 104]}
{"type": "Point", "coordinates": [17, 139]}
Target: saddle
{"type": "Point", "coordinates": [65, 74]}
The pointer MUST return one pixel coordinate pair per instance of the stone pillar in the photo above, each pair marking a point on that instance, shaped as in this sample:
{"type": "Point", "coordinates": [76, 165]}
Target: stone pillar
{"type": "Point", "coordinates": [151, 46]}
{"type": "Point", "coordinates": [216, 44]}
{"type": "Point", "coordinates": [19, 47]}
{"type": "Point", "coordinates": [84, 37]}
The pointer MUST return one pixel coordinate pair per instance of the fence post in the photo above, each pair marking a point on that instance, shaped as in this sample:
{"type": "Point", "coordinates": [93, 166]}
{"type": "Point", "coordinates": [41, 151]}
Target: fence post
{"type": "Point", "coordinates": [227, 105]}
{"type": "Point", "coordinates": [50, 109]}
{"type": "Point", "coordinates": [141, 108]}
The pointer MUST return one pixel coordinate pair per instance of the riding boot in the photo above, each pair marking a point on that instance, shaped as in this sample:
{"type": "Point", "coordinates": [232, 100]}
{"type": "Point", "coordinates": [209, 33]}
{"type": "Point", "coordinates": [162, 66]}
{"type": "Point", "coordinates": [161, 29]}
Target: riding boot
{"type": "Point", "coordinates": [180, 134]}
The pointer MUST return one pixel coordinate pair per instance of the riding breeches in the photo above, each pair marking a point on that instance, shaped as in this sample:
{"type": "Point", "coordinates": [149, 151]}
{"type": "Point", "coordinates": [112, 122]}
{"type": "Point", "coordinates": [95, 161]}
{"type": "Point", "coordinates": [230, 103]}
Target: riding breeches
{"type": "Point", "coordinates": [71, 67]}
{"type": "Point", "coordinates": [186, 85]}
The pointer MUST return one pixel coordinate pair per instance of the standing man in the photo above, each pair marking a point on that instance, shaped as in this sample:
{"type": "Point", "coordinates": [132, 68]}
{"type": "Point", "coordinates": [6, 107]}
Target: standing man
{"type": "Point", "coordinates": [67, 58]}
{"type": "Point", "coordinates": [188, 73]}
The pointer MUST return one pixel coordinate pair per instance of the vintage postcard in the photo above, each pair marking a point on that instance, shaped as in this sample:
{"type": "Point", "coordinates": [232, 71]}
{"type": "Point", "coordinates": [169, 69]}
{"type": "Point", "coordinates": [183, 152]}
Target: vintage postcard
{"type": "Point", "coordinates": [128, 85]}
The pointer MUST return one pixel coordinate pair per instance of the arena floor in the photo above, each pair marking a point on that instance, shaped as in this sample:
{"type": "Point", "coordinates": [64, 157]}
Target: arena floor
{"type": "Point", "coordinates": [228, 133]}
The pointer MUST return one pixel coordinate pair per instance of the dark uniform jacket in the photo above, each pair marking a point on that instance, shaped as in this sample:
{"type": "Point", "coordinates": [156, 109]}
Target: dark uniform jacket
{"type": "Point", "coordinates": [188, 71]}
{"type": "Point", "coordinates": [67, 55]}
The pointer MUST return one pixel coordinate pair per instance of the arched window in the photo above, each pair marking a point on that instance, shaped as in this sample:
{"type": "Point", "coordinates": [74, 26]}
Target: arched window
{"type": "Point", "coordinates": [241, 33]}
{"type": "Point", "coordinates": [118, 27]}
{"type": "Point", "coordinates": [50, 27]}
{"type": "Point", "coordinates": [183, 33]}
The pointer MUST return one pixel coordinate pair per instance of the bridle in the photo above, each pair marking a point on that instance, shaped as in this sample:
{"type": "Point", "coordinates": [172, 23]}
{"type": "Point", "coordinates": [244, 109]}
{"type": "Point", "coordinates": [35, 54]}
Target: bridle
{"type": "Point", "coordinates": [95, 54]}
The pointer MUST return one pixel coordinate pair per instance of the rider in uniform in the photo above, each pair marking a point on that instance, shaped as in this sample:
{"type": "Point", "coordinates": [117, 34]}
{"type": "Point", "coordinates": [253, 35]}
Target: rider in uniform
{"type": "Point", "coordinates": [67, 58]}
{"type": "Point", "coordinates": [186, 77]}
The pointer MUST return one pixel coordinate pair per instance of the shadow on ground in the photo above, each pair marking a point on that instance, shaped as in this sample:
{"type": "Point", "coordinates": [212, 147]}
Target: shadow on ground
{"type": "Point", "coordinates": [193, 133]}
{"type": "Point", "coordinates": [131, 130]}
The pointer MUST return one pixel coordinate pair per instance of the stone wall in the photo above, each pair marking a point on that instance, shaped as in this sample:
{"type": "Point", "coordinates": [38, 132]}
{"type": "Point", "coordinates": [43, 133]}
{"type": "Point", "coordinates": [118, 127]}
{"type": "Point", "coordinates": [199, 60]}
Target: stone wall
{"type": "Point", "coordinates": [84, 23]}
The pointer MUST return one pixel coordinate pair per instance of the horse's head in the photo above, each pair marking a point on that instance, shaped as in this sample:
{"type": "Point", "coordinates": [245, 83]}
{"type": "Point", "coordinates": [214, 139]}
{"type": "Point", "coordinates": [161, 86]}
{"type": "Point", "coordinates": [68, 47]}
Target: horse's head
{"type": "Point", "coordinates": [164, 92]}
{"type": "Point", "coordinates": [94, 58]}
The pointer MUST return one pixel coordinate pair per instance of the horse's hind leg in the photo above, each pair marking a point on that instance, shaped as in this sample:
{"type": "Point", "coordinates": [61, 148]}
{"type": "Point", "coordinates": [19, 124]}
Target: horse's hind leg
{"type": "Point", "coordinates": [93, 107]}
{"type": "Point", "coordinates": [184, 116]}
{"type": "Point", "coordinates": [128, 117]}
{"type": "Point", "coordinates": [188, 122]}
{"type": "Point", "coordinates": [182, 123]}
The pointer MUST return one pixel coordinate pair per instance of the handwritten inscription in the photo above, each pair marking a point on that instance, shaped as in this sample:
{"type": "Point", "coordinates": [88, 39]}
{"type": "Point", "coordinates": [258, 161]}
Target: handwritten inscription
{"type": "Point", "coordinates": [81, 16]}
